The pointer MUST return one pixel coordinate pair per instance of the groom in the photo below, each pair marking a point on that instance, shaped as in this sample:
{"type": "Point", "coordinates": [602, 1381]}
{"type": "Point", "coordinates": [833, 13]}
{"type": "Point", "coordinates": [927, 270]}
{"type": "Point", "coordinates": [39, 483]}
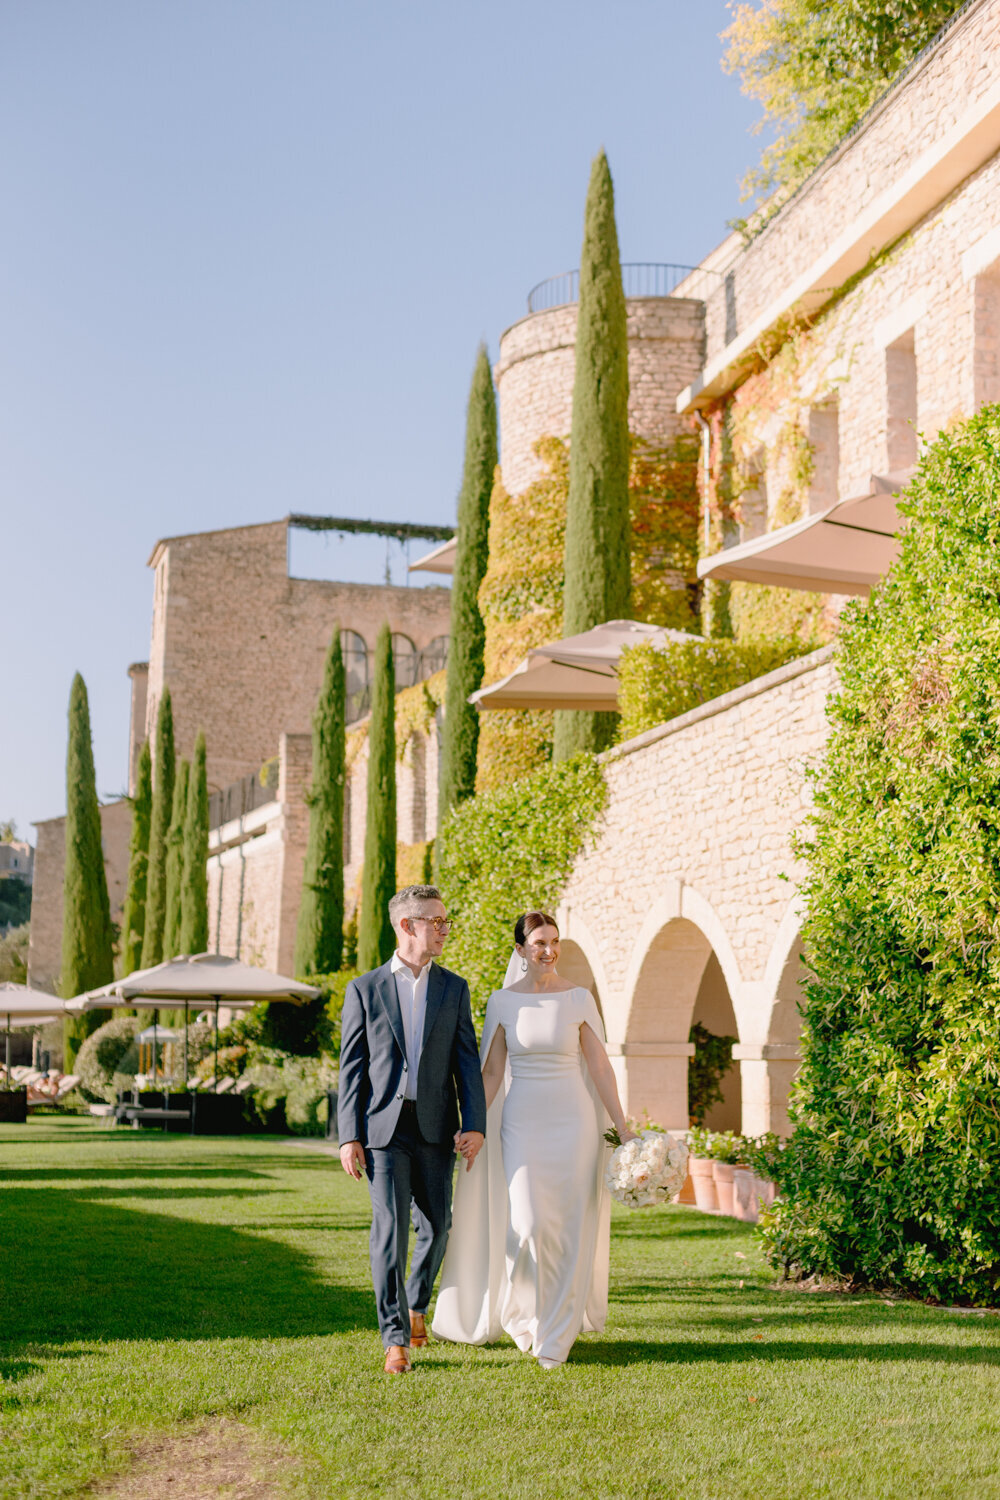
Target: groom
{"type": "Point", "coordinates": [408, 1062]}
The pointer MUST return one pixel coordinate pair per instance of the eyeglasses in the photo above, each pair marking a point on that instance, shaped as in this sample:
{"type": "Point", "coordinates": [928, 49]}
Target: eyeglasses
{"type": "Point", "coordinates": [440, 924]}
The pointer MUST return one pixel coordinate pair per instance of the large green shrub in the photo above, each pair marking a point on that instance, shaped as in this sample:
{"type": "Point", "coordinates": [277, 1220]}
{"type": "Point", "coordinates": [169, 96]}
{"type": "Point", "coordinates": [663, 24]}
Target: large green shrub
{"type": "Point", "coordinates": [87, 937]}
{"type": "Point", "coordinates": [659, 682]}
{"type": "Point", "coordinates": [105, 1055]}
{"type": "Point", "coordinates": [509, 850]}
{"type": "Point", "coordinates": [891, 1174]}
{"type": "Point", "coordinates": [319, 940]}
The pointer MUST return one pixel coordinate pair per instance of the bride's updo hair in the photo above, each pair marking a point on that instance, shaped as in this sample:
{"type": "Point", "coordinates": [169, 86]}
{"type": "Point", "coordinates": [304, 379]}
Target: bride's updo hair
{"type": "Point", "coordinates": [528, 922]}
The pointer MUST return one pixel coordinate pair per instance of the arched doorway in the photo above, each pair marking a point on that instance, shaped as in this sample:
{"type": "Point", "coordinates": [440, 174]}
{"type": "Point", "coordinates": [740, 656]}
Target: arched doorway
{"type": "Point", "coordinates": [679, 980]}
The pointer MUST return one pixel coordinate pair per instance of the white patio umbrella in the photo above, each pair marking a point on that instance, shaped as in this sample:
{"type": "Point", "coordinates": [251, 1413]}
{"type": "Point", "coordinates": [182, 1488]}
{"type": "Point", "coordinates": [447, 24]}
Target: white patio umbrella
{"type": "Point", "coordinates": [578, 672]}
{"type": "Point", "coordinates": [21, 1006]}
{"type": "Point", "coordinates": [440, 559]}
{"type": "Point", "coordinates": [845, 549]}
{"type": "Point", "coordinates": [214, 978]}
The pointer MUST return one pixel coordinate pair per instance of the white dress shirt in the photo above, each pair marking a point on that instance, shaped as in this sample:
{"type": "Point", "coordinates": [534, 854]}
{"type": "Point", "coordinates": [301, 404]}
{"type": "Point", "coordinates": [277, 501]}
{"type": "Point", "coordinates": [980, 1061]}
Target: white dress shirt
{"type": "Point", "coordinates": [412, 994]}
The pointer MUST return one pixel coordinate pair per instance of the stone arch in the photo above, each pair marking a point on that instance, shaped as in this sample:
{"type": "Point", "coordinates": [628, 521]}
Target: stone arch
{"type": "Point", "coordinates": [580, 960]}
{"type": "Point", "coordinates": [769, 1067]}
{"type": "Point", "coordinates": [682, 969]}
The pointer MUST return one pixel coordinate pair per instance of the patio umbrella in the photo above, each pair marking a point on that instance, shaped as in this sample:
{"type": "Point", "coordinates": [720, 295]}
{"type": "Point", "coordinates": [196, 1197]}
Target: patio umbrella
{"type": "Point", "coordinates": [215, 978]}
{"type": "Point", "coordinates": [578, 672]}
{"type": "Point", "coordinates": [441, 559]}
{"type": "Point", "coordinates": [845, 549]}
{"type": "Point", "coordinates": [22, 1006]}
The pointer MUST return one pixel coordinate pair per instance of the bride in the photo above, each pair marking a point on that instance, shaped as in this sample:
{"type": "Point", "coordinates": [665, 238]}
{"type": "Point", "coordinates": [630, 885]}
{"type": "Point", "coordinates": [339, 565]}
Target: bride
{"type": "Point", "coordinates": [528, 1249]}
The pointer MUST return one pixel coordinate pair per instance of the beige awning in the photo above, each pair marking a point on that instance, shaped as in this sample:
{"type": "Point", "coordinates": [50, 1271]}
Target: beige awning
{"type": "Point", "coordinates": [440, 559]}
{"type": "Point", "coordinates": [843, 550]}
{"type": "Point", "coordinates": [579, 672]}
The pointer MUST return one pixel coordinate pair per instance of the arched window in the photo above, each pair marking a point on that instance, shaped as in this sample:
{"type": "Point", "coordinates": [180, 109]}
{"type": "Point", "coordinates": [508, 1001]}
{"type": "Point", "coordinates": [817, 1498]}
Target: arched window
{"type": "Point", "coordinates": [434, 656]}
{"type": "Point", "coordinates": [355, 654]}
{"type": "Point", "coordinates": [404, 657]}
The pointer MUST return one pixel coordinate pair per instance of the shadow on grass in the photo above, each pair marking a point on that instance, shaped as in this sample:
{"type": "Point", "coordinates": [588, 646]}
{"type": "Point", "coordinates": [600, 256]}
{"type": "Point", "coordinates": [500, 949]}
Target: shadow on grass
{"type": "Point", "coordinates": [773, 1351]}
{"type": "Point", "coordinates": [77, 1267]}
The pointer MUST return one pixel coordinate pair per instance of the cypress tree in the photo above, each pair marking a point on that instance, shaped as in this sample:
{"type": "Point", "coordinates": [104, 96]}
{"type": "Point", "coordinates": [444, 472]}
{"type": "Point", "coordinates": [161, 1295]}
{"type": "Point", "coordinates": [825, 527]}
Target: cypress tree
{"type": "Point", "coordinates": [175, 862]}
{"type": "Point", "coordinates": [319, 938]}
{"type": "Point", "coordinates": [194, 882]}
{"type": "Point", "coordinates": [87, 941]}
{"type": "Point", "coordinates": [134, 913]}
{"type": "Point", "coordinates": [467, 632]}
{"type": "Point", "coordinates": [159, 830]}
{"type": "Point", "coordinates": [597, 571]}
{"type": "Point", "coordinates": [376, 939]}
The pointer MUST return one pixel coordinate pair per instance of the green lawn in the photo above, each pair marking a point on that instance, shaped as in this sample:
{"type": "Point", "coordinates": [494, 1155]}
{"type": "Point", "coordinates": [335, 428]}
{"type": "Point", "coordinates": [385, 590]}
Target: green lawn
{"type": "Point", "coordinates": [148, 1281]}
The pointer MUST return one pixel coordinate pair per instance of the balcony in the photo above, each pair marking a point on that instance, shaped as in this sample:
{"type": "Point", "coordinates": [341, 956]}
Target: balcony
{"type": "Point", "coordinates": [639, 279]}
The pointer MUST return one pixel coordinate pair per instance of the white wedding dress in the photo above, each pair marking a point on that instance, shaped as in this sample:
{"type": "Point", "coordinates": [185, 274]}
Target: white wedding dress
{"type": "Point", "coordinates": [529, 1245]}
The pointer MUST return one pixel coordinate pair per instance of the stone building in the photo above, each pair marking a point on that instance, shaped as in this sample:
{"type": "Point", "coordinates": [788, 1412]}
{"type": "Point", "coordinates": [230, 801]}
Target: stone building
{"type": "Point", "coordinates": [242, 645]}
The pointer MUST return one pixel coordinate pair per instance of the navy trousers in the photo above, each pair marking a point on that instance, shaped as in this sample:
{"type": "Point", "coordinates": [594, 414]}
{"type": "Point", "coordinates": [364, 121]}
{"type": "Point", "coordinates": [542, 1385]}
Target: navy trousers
{"type": "Point", "coordinates": [409, 1168]}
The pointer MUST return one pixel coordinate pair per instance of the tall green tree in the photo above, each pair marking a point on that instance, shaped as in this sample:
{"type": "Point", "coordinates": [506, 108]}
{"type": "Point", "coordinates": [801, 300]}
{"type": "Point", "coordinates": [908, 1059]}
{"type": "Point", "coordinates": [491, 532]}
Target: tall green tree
{"type": "Point", "coordinates": [467, 633]}
{"type": "Point", "coordinates": [194, 882]}
{"type": "Point", "coordinates": [87, 938]}
{"type": "Point", "coordinates": [816, 66]}
{"type": "Point", "coordinates": [134, 913]}
{"type": "Point", "coordinates": [375, 935]}
{"type": "Point", "coordinates": [598, 531]}
{"type": "Point", "coordinates": [164, 770]}
{"type": "Point", "coordinates": [319, 938]}
{"type": "Point", "coordinates": [175, 862]}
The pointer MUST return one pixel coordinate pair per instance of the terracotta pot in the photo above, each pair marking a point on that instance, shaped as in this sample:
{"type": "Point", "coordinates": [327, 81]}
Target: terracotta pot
{"type": "Point", "coordinates": [765, 1190]}
{"type": "Point", "coordinates": [723, 1174]}
{"type": "Point", "coordinates": [745, 1195]}
{"type": "Point", "coordinates": [703, 1179]}
{"type": "Point", "coordinates": [686, 1194]}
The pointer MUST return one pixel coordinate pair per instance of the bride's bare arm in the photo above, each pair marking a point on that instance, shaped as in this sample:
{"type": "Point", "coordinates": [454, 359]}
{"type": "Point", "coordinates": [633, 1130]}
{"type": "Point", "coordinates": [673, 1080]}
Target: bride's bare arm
{"type": "Point", "coordinates": [605, 1082]}
{"type": "Point", "coordinates": [496, 1061]}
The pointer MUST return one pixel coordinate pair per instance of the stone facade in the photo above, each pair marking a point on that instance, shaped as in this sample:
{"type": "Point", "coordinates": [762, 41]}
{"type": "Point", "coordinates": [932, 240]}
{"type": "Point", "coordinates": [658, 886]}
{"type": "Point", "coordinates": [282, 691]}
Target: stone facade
{"type": "Point", "coordinates": [45, 948]}
{"type": "Point", "coordinates": [242, 644]}
{"type": "Point", "coordinates": [534, 376]}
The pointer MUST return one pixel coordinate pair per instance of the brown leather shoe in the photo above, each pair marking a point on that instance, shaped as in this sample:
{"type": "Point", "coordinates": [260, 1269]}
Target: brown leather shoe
{"type": "Point", "coordinates": [397, 1360]}
{"type": "Point", "coordinates": [419, 1337]}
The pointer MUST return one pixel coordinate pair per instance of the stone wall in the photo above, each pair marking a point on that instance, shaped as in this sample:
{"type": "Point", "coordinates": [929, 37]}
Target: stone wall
{"type": "Point", "coordinates": [139, 676]}
{"type": "Point", "coordinates": [955, 77]}
{"type": "Point", "coordinates": [45, 949]}
{"type": "Point", "coordinates": [535, 370]}
{"type": "Point", "coordinates": [242, 644]}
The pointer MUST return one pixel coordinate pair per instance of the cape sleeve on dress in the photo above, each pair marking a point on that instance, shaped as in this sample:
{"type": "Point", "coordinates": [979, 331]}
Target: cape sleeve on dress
{"type": "Point", "coordinates": [474, 1269]}
{"type": "Point", "coordinates": [597, 1299]}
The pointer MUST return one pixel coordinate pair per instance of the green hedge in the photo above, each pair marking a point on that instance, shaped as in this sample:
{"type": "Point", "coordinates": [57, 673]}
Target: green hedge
{"type": "Point", "coordinates": [891, 1173]}
{"type": "Point", "coordinates": [506, 851]}
{"type": "Point", "coordinates": [658, 683]}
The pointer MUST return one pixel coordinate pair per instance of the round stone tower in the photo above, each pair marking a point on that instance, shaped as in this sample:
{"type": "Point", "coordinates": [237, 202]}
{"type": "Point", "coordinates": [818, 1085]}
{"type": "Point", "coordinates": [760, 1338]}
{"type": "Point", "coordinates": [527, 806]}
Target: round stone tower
{"type": "Point", "coordinates": [534, 373]}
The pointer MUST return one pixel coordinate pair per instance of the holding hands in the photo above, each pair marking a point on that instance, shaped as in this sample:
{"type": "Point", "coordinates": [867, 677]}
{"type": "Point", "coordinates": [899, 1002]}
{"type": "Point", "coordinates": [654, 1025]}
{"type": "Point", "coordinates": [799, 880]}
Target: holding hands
{"type": "Point", "coordinates": [468, 1143]}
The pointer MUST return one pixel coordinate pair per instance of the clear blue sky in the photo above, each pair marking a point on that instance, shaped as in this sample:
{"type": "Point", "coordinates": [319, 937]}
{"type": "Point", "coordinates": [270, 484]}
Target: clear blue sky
{"type": "Point", "coordinates": [248, 250]}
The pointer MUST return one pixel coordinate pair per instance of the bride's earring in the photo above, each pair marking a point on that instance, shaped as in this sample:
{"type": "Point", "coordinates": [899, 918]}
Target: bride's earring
{"type": "Point", "coordinates": [524, 966]}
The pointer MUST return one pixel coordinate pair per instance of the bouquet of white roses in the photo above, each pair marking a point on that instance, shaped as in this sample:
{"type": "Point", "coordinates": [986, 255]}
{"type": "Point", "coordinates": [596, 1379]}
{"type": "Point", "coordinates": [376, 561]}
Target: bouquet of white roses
{"type": "Point", "coordinates": [651, 1169]}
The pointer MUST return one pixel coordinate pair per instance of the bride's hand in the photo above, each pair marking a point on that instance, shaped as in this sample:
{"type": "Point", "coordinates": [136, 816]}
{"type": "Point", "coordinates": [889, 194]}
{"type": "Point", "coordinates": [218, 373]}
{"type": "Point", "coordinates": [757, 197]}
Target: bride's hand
{"type": "Point", "coordinates": [628, 1135]}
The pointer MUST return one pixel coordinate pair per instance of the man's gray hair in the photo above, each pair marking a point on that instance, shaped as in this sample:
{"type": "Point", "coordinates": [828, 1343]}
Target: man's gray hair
{"type": "Point", "coordinates": [408, 901]}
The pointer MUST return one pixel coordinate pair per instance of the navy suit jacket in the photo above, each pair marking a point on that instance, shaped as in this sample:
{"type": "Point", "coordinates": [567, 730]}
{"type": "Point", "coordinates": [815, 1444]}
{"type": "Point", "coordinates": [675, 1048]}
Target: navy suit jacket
{"type": "Point", "coordinates": [373, 1061]}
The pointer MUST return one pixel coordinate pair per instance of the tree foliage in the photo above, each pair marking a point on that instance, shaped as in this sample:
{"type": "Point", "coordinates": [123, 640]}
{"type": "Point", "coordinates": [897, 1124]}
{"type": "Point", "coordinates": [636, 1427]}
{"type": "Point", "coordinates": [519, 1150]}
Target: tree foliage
{"type": "Point", "coordinates": [597, 558]}
{"type": "Point", "coordinates": [164, 769]}
{"type": "Point", "coordinates": [319, 940]}
{"type": "Point", "coordinates": [657, 683]}
{"type": "Point", "coordinates": [134, 912]}
{"type": "Point", "coordinates": [194, 876]}
{"type": "Point", "coordinates": [890, 1175]}
{"type": "Point", "coordinates": [466, 640]}
{"type": "Point", "coordinates": [175, 862]}
{"type": "Point", "coordinates": [375, 935]}
{"type": "Point", "coordinates": [498, 857]}
{"type": "Point", "coordinates": [816, 66]}
{"type": "Point", "coordinates": [87, 938]}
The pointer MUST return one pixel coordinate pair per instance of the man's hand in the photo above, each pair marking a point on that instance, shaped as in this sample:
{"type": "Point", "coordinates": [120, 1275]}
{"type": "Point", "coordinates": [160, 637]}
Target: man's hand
{"type": "Point", "coordinates": [352, 1159]}
{"type": "Point", "coordinates": [469, 1143]}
